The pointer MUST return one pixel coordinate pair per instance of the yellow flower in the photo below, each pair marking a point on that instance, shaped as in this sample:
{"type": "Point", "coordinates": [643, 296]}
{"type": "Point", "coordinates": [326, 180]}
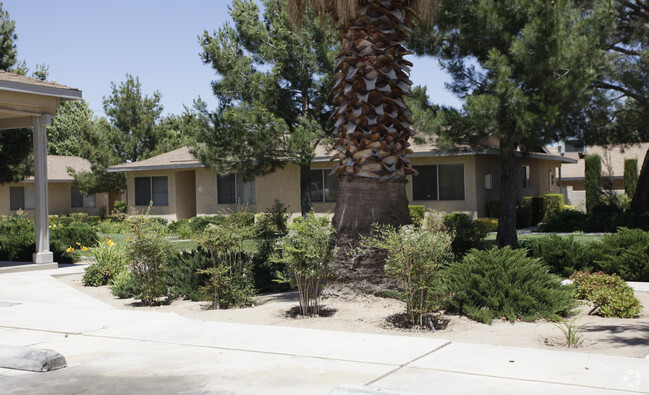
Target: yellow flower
{"type": "Point", "coordinates": [110, 243]}
{"type": "Point", "coordinates": [77, 243]}
{"type": "Point", "coordinates": [84, 248]}
{"type": "Point", "coordinates": [127, 240]}
{"type": "Point", "coordinates": [190, 221]}
{"type": "Point", "coordinates": [50, 226]}
{"type": "Point", "coordinates": [70, 249]}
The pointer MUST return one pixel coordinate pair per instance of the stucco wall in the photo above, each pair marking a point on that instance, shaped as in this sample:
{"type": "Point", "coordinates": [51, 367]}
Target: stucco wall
{"type": "Point", "coordinates": [185, 194]}
{"type": "Point", "coordinates": [59, 202]}
{"type": "Point", "coordinates": [283, 184]}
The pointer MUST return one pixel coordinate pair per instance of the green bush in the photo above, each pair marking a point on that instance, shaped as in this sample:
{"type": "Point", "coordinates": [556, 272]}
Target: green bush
{"type": "Point", "coordinates": [307, 252]}
{"type": "Point", "coordinates": [65, 241]}
{"type": "Point", "coordinates": [609, 293]}
{"type": "Point", "coordinates": [552, 205]}
{"type": "Point", "coordinates": [108, 260]}
{"type": "Point", "coordinates": [120, 206]}
{"type": "Point", "coordinates": [524, 213]}
{"type": "Point", "coordinates": [269, 226]}
{"type": "Point", "coordinates": [415, 259]}
{"type": "Point", "coordinates": [242, 218]}
{"type": "Point", "coordinates": [563, 255]}
{"type": "Point", "coordinates": [593, 181]}
{"type": "Point", "coordinates": [494, 208]}
{"type": "Point", "coordinates": [184, 274]}
{"type": "Point", "coordinates": [17, 238]}
{"type": "Point", "coordinates": [538, 210]}
{"type": "Point", "coordinates": [148, 254]}
{"type": "Point", "coordinates": [565, 221]}
{"type": "Point", "coordinates": [417, 213]}
{"type": "Point", "coordinates": [230, 280]}
{"type": "Point", "coordinates": [124, 285]}
{"type": "Point", "coordinates": [467, 234]}
{"type": "Point", "coordinates": [626, 253]}
{"type": "Point", "coordinates": [488, 224]}
{"type": "Point", "coordinates": [504, 283]}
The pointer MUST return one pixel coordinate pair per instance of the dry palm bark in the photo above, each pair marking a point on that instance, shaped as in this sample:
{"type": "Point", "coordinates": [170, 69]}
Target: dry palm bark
{"type": "Point", "coordinates": [371, 120]}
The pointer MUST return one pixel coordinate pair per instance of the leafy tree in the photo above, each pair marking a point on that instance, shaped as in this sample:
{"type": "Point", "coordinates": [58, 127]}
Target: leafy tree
{"type": "Point", "coordinates": [273, 92]}
{"type": "Point", "coordinates": [371, 121]}
{"type": "Point", "coordinates": [630, 176]}
{"type": "Point", "coordinates": [593, 181]}
{"type": "Point", "coordinates": [525, 70]}
{"type": "Point", "coordinates": [133, 118]}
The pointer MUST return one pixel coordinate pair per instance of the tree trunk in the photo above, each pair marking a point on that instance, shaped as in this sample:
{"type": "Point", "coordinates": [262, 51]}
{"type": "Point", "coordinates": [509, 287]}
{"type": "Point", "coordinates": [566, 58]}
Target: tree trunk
{"type": "Point", "coordinates": [640, 202]}
{"type": "Point", "coordinates": [507, 221]}
{"type": "Point", "coordinates": [305, 189]}
{"type": "Point", "coordinates": [363, 201]}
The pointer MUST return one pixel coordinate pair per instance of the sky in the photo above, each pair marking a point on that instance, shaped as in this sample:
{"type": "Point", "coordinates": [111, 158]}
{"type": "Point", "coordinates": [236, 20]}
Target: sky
{"type": "Point", "coordinates": [90, 44]}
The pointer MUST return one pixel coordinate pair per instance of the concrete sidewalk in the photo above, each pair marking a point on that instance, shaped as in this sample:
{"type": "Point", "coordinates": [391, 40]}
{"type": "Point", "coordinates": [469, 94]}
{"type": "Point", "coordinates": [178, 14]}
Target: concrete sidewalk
{"type": "Point", "coordinates": [121, 351]}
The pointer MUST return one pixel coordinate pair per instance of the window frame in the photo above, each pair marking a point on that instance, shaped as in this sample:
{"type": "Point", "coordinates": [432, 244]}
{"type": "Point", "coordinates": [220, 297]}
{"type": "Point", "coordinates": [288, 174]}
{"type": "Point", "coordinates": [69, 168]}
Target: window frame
{"type": "Point", "coordinates": [84, 199]}
{"type": "Point", "coordinates": [237, 192]}
{"type": "Point", "coordinates": [526, 181]}
{"type": "Point", "coordinates": [437, 182]}
{"type": "Point", "coordinates": [323, 180]}
{"type": "Point", "coordinates": [25, 195]}
{"type": "Point", "coordinates": [150, 191]}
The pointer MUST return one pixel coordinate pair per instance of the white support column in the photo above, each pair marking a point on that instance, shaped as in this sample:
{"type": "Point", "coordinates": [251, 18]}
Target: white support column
{"type": "Point", "coordinates": [41, 221]}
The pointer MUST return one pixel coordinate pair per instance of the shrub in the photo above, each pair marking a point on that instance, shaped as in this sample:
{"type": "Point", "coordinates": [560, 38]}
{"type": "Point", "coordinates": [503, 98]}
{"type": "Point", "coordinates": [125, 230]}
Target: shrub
{"type": "Point", "coordinates": [630, 176]}
{"type": "Point", "coordinates": [17, 238]}
{"type": "Point", "coordinates": [269, 226]}
{"type": "Point", "coordinates": [466, 233]}
{"type": "Point", "coordinates": [149, 252]}
{"type": "Point", "coordinates": [563, 255]}
{"type": "Point", "coordinates": [610, 294]}
{"type": "Point", "coordinates": [415, 258]}
{"type": "Point", "coordinates": [242, 218]}
{"type": "Point", "coordinates": [120, 206]}
{"type": "Point", "coordinates": [109, 259]}
{"type": "Point", "coordinates": [417, 214]}
{"type": "Point", "coordinates": [524, 213]}
{"type": "Point", "coordinates": [230, 280]}
{"type": "Point", "coordinates": [184, 274]}
{"type": "Point", "coordinates": [552, 205]}
{"type": "Point", "coordinates": [565, 221]}
{"type": "Point", "coordinates": [488, 224]}
{"type": "Point", "coordinates": [65, 240]}
{"type": "Point", "coordinates": [494, 208]}
{"type": "Point", "coordinates": [538, 210]}
{"type": "Point", "coordinates": [124, 285]}
{"type": "Point", "coordinates": [626, 253]}
{"type": "Point", "coordinates": [593, 181]}
{"type": "Point", "coordinates": [307, 252]}
{"type": "Point", "coordinates": [497, 283]}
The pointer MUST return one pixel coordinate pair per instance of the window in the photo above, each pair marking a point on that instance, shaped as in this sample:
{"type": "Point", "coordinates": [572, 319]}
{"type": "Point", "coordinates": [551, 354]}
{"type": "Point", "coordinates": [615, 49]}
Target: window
{"type": "Point", "coordinates": [22, 198]}
{"type": "Point", "coordinates": [525, 171]}
{"type": "Point", "coordinates": [232, 189]}
{"type": "Point", "coordinates": [151, 189]}
{"type": "Point", "coordinates": [324, 187]}
{"type": "Point", "coordinates": [78, 200]}
{"type": "Point", "coordinates": [439, 182]}
{"type": "Point", "coordinates": [488, 181]}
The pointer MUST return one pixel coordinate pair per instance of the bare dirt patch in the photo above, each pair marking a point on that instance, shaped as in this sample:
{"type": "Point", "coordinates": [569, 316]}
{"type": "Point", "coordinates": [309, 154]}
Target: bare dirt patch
{"type": "Point", "coordinates": [348, 312]}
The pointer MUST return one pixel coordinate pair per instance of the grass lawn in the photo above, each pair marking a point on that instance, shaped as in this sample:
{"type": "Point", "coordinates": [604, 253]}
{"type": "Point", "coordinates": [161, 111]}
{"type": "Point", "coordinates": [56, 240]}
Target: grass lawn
{"type": "Point", "coordinates": [578, 237]}
{"type": "Point", "coordinates": [249, 245]}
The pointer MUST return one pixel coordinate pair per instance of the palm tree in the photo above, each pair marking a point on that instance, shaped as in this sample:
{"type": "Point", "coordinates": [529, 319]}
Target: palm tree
{"type": "Point", "coordinates": [371, 120]}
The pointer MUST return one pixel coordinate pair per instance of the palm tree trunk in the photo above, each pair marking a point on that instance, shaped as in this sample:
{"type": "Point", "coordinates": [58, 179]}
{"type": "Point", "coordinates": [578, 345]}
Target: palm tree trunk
{"type": "Point", "coordinates": [372, 124]}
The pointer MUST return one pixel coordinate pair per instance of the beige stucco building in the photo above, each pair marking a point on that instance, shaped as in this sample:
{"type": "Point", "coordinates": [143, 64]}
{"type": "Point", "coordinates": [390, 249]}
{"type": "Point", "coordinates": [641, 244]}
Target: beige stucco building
{"type": "Point", "coordinates": [179, 186]}
{"type": "Point", "coordinates": [613, 157]}
{"type": "Point", "coordinates": [63, 196]}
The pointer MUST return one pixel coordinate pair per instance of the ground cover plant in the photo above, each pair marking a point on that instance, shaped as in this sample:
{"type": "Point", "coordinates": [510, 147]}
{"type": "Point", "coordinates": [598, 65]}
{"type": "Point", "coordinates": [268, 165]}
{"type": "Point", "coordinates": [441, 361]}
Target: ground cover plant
{"type": "Point", "coordinates": [609, 294]}
{"type": "Point", "coordinates": [505, 283]}
{"type": "Point", "coordinates": [416, 258]}
{"type": "Point", "coordinates": [108, 260]}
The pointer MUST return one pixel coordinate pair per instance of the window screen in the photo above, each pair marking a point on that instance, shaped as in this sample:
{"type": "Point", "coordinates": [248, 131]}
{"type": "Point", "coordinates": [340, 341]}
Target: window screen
{"type": "Point", "coordinates": [424, 185]}
{"type": "Point", "coordinates": [225, 187]}
{"type": "Point", "coordinates": [142, 191]}
{"type": "Point", "coordinates": [451, 182]}
{"type": "Point", "coordinates": [76, 199]}
{"type": "Point", "coordinates": [16, 198]}
{"type": "Point", "coordinates": [160, 191]}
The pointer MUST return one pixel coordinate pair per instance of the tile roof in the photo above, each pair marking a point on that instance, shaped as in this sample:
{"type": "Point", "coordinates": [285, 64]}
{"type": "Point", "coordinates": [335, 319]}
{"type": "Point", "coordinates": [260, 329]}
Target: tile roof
{"type": "Point", "coordinates": [57, 167]}
{"type": "Point", "coordinates": [16, 82]}
{"type": "Point", "coordinates": [176, 159]}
